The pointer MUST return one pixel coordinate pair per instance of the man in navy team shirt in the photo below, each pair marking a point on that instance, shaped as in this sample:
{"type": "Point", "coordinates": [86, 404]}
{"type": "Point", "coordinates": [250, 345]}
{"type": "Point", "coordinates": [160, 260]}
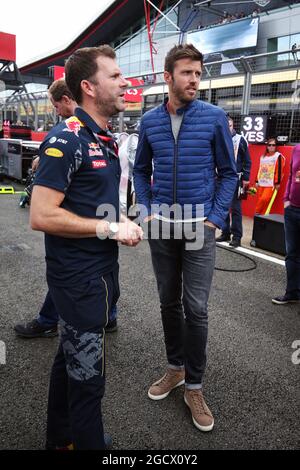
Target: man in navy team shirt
{"type": "Point", "coordinates": [76, 186]}
{"type": "Point", "coordinates": [45, 324]}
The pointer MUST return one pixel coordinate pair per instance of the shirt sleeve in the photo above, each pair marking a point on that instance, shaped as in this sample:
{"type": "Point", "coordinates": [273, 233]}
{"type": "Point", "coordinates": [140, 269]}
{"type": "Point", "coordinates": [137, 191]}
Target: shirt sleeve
{"type": "Point", "coordinates": [142, 173]}
{"type": "Point", "coordinates": [246, 159]}
{"type": "Point", "coordinates": [60, 158]}
{"type": "Point", "coordinates": [286, 196]}
{"type": "Point", "coordinates": [279, 170]}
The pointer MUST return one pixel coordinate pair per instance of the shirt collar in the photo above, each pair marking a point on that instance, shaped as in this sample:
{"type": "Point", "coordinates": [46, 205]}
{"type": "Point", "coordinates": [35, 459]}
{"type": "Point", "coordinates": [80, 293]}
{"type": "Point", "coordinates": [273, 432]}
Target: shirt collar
{"type": "Point", "coordinates": [90, 123]}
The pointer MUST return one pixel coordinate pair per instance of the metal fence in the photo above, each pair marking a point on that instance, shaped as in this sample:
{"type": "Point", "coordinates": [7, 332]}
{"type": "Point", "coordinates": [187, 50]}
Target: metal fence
{"type": "Point", "coordinates": [40, 115]}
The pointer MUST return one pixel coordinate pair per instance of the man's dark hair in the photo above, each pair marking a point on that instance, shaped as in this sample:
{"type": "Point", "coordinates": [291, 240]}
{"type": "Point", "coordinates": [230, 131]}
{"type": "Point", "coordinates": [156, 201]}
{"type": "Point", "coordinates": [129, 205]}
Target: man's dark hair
{"type": "Point", "coordinates": [81, 65]}
{"type": "Point", "coordinates": [182, 51]}
{"type": "Point", "coordinates": [58, 89]}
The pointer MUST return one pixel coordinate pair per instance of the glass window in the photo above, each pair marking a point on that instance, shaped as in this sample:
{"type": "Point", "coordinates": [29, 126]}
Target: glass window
{"type": "Point", "coordinates": [281, 44]}
{"type": "Point", "coordinates": [134, 55]}
{"type": "Point", "coordinates": [295, 39]}
{"type": "Point", "coordinates": [134, 67]}
{"type": "Point", "coordinates": [123, 60]}
{"type": "Point", "coordinates": [135, 49]}
{"type": "Point", "coordinates": [125, 70]}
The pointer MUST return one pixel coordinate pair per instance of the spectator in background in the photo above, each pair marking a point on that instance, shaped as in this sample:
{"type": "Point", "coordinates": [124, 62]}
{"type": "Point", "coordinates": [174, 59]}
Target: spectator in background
{"type": "Point", "coordinates": [269, 176]}
{"type": "Point", "coordinates": [243, 165]}
{"type": "Point", "coordinates": [294, 51]}
{"type": "Point", "coordinates": [292, 233]}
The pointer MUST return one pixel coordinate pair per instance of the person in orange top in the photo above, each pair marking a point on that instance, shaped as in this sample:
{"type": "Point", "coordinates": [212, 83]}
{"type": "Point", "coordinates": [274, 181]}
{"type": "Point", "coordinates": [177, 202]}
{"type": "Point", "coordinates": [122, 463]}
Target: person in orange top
{"type": "Point", "coordinates": [269, 176]}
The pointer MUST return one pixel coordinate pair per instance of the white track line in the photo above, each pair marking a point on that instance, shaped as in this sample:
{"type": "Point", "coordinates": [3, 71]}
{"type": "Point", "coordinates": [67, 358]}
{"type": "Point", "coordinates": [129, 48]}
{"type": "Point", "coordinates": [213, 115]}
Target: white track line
{"type": "Point", "coordinates": [254, 253]}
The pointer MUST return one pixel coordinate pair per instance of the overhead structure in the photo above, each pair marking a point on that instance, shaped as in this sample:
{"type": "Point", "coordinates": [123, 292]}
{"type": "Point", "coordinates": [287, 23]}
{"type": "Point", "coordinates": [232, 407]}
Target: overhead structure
{"type": "Point", "coordinates": [151, 30]}
{"type": "Point", "coordinates": [10, 75]}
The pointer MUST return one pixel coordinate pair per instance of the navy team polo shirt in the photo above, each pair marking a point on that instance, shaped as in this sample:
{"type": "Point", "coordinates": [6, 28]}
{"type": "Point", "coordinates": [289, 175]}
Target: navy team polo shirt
{"type": "Point", "coordinates": [80, 160]}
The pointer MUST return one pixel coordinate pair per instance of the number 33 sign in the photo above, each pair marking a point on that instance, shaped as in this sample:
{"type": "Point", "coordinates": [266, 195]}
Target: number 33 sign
{"type": "Point", "coordinates": [253, 128]}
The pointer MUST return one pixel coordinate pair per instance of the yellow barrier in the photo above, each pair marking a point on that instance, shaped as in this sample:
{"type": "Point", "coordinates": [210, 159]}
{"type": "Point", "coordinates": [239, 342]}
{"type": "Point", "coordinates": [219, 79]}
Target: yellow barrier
{"type": "Point", "coordinates": [10, 190]}
{"type": "Point", "coordinates": [7, 190]}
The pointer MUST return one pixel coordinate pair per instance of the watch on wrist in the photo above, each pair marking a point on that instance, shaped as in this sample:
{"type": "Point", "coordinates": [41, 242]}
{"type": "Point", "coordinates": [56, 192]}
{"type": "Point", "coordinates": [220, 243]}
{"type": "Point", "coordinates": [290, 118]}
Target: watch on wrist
{"type": "Point", "coordinates": [113, 229]}
{"type": "Point", "coordinates": [104, 234]}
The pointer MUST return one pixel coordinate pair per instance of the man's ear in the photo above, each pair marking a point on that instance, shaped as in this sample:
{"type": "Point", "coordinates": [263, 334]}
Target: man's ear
{"type": "Point", "coordinates": [66, 99]}
{"type": "Point", "coordinates": [167, 77]}
{"type": "Point", "coordinates": [87, 87]}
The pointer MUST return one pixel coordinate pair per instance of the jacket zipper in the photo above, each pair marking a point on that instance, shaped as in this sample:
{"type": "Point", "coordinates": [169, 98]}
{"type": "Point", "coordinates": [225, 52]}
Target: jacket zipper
{"type": "Point", "coordinates": [175, 159]}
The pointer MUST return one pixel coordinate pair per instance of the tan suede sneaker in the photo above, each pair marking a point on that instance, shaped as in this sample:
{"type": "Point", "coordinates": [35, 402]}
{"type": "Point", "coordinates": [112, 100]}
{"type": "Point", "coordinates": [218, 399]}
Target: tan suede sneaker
{"type": "Point", "coordinates": [162, 388]}
{"type": "Point", "coordinates": [201, 414]}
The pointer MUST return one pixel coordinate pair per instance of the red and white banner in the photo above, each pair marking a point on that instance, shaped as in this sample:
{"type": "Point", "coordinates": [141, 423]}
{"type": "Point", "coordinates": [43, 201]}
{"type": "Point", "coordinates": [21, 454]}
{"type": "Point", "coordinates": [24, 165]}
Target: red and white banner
{"type": "Point", "coordinates": [134, 95]}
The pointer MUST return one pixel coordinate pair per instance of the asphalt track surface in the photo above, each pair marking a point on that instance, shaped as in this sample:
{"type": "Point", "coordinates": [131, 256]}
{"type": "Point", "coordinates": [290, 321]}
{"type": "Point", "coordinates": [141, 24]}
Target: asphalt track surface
{"type": "Point", "coordinates": [251, 383]}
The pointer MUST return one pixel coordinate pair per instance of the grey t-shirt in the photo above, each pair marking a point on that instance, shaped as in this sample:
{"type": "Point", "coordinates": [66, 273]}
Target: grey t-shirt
{"type": "Point", "coordinates": [176, 120]}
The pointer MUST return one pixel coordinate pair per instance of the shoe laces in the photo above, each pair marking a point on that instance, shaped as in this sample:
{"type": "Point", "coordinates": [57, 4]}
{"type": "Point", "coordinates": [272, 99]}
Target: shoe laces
{"type": "Point", "coordinates": [166, 378]}
{"type": "Point", "coordinates": [198, 401]}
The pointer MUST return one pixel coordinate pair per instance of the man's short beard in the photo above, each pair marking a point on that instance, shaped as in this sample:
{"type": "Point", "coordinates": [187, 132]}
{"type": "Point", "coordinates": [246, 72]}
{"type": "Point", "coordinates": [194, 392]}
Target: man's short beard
{"type": "Point", "coordinates": [180, 94]}
{"type": "Point", "coordinates": [106, 107]}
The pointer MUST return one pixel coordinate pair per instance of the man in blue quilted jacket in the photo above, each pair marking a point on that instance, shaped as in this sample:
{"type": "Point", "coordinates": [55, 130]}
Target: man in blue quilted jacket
{"type": "Point", "coordinates": [185, 146]}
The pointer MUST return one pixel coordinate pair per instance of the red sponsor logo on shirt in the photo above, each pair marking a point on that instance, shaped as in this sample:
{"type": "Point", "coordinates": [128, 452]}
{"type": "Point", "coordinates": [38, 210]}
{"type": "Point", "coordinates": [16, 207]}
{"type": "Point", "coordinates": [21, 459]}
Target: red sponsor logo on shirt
{"type": "Point", "coordinates": [95, 153]}
{"type": "Point", "coordinates": [99, 164]}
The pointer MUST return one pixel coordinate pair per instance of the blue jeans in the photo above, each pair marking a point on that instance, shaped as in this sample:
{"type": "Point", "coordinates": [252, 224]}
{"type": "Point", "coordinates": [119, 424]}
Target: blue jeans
{"type": "Point", "coordinates": [184, 280]}
{"type": "Point", "coordinates": [48, 315]}
{"type": "Point", "coordinates": [236, 226]}
{"type": "Point", "coordinates": [292, 243]}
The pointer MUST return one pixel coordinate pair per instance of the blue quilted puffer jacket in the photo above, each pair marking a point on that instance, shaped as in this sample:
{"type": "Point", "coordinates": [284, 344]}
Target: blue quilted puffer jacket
{"type": "Point", "coordinates": [197, 169]}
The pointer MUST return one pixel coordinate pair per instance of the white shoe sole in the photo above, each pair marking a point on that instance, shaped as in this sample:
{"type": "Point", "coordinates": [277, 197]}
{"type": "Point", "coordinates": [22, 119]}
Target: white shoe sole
{"type": "Point", "coordinates": [164, 395]}
{"type": "Point", "coordinates": [278, 302]}
{"type": "Point", "coordinates": [198, 426]}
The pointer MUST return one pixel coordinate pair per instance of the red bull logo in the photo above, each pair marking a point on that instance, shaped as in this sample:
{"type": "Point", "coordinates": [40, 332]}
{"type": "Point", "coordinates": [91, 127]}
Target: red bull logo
{"type": "Point", "coordinates": [94, 146]}
{"type": "Point", "coordinates": [73, 125]}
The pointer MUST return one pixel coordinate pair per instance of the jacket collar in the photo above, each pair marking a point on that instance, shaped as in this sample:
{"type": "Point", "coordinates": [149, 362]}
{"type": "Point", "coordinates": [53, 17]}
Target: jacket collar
{"type": "Point", "coordinates": [182, 110]}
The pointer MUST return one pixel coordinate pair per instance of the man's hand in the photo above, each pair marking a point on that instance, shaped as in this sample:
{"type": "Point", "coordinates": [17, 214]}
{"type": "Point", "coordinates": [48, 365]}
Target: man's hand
{"type": "Point", "coordinates": [286, 204]}
{"type": "Point", "coordinates": [35, 164]}
{"type": "Point", "coordinates": [148, 219]}
{"type": "Point", "coordinates": [129, 233]}
{"type": "Point", "coordinates": [210, 224]}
